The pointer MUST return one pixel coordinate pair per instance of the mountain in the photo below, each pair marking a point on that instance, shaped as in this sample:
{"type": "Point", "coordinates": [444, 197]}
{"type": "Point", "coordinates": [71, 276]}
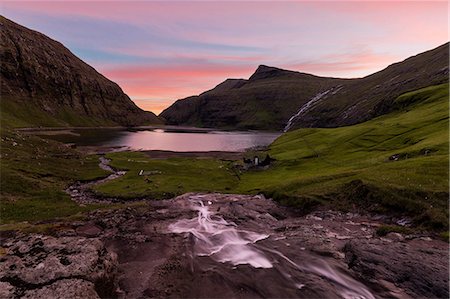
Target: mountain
{"type": "Point", "coordinates": [44, 84]}
{"type": "Point", "coordinates": [276, 99]}
{"type": "Point", "coordinates": [265, 101]}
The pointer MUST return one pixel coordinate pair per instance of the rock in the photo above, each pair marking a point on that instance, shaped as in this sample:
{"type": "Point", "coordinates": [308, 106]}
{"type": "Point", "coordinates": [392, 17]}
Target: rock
{"type": "Point", "coordinates": [6, 290]}
{"type": "Point", "coordinates": [67, 288]}
{"type": "Point", "coordinates": [395, 236]}
{"type": "Point", "coordinates": [418, 273]}
{"type": "Point", "coordinates": [42, 267]}
{"type": "Point", "coordinates": [88, 230]}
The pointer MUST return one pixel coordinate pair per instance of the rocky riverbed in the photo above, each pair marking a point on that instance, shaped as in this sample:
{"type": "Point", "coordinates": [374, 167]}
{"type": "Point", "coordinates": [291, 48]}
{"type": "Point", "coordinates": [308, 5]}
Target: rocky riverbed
{"type": "Point", "coordinates": [216, 245]}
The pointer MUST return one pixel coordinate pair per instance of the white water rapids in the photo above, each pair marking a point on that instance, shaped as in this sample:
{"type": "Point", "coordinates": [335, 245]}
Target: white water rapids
{"type": "Point", "coordinates": [221, 240]}
{"type": "Point", "coordinates": [224, 242]}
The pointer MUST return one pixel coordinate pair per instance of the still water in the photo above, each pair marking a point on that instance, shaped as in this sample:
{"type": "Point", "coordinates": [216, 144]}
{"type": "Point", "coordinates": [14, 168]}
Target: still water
{"type": "Point", "coordinates": [163, 139]}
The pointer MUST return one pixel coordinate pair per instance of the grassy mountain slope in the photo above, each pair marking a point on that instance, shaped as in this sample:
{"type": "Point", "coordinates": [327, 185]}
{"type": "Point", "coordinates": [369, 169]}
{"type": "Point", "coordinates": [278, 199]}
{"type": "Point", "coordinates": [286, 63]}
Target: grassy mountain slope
{"type": "Point", "coordinates": [371, 96]}
{"type": "Point", "coordinates": [352, 164]}
{"type": "Point", "coordinates": [44, 84]}
{"type": "Point", "coordinates": [271, 96]}
{"type": "Point", "coordinates": [396, 163]}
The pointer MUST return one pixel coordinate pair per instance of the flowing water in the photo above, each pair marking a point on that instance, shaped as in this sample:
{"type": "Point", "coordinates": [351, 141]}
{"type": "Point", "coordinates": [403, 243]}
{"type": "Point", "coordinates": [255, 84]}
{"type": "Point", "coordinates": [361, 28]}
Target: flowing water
{"type": "Point", "coordinates": [310, 104]}
{"type": "Point", "coordinates": [226, 243]}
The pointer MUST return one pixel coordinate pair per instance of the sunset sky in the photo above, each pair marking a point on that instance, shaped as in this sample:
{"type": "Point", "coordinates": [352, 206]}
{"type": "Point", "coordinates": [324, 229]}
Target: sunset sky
{"type": "Point", "coordinates": [159, 52]}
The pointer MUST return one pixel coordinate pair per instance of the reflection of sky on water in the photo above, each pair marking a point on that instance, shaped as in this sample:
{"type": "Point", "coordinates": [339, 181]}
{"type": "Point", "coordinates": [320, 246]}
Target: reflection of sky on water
{"type": "Point", "coordinates": [160, 139]}
{"type": "Point", "coordinates": [174, 141]}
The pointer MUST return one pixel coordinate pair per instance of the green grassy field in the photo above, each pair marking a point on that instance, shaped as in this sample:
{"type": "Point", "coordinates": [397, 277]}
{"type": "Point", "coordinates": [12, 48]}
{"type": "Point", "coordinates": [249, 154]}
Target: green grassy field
{"type": "Point", "coordinates": [171, 177]}
{"type": "Point", "coordinates": [343, 167]}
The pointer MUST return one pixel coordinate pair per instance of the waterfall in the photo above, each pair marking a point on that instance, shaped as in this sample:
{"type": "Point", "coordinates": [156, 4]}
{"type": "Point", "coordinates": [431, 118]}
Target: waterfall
{"type": "Point", "coordinates": [308, 105]}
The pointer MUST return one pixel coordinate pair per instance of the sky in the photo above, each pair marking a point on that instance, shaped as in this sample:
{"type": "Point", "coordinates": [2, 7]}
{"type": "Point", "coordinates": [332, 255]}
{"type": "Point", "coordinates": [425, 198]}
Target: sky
{"type": "Point", "coordinates": [159, 52]}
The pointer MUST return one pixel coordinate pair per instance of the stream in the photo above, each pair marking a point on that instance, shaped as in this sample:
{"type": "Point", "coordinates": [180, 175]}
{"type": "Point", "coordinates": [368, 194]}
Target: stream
{"type": "Point", "coordinates": [81, 192]}
{"type": "Point", "coordinates": [226, 243]}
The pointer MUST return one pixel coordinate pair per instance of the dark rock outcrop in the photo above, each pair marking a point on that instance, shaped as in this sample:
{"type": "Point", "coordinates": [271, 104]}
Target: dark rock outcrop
{"type": "Point", "coordinates": [37, 266]}
{"type": "Point", "coordinates": [271, 96]}
{"type": "Point", "coordinates": [402, 263]}
{"type": "Point", "coordinates": [43, 83]}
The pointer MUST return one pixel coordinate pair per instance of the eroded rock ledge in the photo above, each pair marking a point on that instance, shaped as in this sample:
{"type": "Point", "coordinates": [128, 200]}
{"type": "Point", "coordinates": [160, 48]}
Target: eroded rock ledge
{"type": "Point", "coordinates": [37, 266]}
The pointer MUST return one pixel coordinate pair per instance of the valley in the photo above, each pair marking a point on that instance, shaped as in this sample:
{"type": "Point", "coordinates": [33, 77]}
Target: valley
{"type": "Point", "coordinates": [282, 185]}
{"type": "Point", "coordinates": [342, 202]}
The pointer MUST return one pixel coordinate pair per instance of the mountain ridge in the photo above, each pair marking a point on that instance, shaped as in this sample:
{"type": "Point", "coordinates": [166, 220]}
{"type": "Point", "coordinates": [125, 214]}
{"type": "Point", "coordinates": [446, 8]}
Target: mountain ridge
{"type": "Point", "coordinates": [44, 84]}
{"type": "Point", "coordinates": [283, 93]}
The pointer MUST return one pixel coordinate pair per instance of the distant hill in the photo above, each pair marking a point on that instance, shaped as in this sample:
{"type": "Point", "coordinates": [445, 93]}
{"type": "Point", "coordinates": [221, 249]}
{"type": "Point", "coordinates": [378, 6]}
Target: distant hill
{"type": "Point", "coordinates": [276, 99]}
{"type": "Point", "coordinates": [44, 84]}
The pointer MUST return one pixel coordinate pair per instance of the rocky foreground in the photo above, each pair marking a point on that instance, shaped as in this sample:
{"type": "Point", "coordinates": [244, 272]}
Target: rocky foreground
{"type": "Point", "coordinates": [215, 245]}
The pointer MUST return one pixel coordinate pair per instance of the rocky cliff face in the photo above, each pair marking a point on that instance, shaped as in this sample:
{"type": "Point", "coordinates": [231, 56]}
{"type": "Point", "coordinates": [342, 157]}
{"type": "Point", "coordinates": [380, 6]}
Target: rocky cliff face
{"type": "Point", "coordinates": [272, 98]}
{"type": "Point", "coordinates": [43, 83]}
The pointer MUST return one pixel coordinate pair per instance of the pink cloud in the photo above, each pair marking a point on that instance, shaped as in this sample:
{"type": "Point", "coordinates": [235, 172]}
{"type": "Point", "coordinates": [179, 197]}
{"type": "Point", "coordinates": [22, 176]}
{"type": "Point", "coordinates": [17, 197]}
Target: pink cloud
{"type": "Point", "coordinates": [358, 63]}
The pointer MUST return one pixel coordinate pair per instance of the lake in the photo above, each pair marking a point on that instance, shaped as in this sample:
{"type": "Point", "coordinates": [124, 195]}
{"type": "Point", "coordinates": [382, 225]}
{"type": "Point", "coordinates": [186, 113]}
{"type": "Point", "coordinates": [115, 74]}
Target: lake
{"type": "Point", "coordinates": [173, 139]}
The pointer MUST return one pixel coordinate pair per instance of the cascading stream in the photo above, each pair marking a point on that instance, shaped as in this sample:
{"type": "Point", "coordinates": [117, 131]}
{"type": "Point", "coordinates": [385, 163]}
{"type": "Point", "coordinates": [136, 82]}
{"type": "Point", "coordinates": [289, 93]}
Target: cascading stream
{"type": "Point", "coordinates": [309, 105]}
{"type": "Point", "coordinates": [224, 242]}
{"type": "Point", "coordinates": [221, 240]}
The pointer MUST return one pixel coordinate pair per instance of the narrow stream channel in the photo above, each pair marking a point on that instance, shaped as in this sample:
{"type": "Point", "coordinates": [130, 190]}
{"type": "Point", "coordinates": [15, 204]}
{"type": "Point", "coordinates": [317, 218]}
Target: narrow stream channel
{"type": "Point", "coordinates": [81, 192]}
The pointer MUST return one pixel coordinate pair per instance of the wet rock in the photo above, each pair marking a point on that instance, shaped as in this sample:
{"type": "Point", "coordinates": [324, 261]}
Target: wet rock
{"type": "Point", "coordinates": [42, 267]}
{"type": "Point", "coordinates": [418, 273]}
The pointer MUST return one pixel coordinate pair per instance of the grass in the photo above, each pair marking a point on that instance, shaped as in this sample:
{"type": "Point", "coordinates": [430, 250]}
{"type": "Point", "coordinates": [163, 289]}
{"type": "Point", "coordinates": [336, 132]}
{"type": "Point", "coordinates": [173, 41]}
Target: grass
{"type": "Point", "coordinates": [346, 167]}
{"type": "Point", "coordinates": [34, 173]}
{"type": "Point", "coordinates": [15, 113]}
{"type": "Point", "coordinates": [171, 177]}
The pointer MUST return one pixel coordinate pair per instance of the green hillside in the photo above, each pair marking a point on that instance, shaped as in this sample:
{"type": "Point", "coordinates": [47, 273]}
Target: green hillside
{"type": "Point", "coordinates": [350, 164]}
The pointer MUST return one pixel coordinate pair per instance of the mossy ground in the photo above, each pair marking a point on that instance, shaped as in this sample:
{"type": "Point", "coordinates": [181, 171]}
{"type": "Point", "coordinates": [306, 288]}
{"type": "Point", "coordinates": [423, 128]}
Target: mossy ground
{"type": "Point", "coordinates": [345, 168]}
{"type": "Point", "coordinates": [34, 173]}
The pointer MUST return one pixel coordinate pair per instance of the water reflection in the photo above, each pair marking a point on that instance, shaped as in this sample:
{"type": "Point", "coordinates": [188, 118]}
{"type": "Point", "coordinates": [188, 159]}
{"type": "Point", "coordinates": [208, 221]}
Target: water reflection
{"type": "Point", "coordinates": [160, 139]}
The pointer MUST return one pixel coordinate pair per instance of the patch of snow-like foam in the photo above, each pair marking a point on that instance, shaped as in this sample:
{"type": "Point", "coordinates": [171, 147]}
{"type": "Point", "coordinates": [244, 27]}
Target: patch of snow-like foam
{"type": "Point", "coordinates": [221, 240]}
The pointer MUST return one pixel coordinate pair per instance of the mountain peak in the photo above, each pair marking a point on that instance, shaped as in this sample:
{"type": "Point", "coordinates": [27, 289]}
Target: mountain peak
{"type": "Point", "coordinates": [264, 72]}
